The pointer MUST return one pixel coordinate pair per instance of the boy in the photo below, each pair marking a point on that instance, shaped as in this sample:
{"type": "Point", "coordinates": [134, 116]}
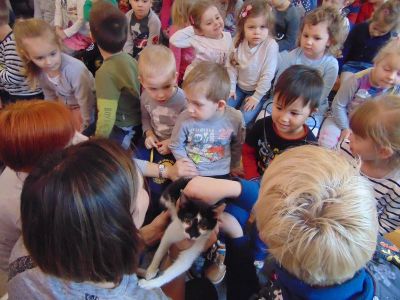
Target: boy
{"type": "Point", "coordinates": [117, 85]}
{"type": "Point", "coordinates": [296, 97]}
{"type": "Point", "coordinates": [144, 27]}
{"type": "Point", "coordinates": [209, 132]}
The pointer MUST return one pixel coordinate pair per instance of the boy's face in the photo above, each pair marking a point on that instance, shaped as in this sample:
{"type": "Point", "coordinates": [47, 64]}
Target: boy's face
{"type": "Point", "coordinates": [289, 120]}
{"type": "Point", "coordinates": [199, 107]}
{"type": "Point", "coordinates": [160, 87]}
{"type": "Point", "coordinates": [141, 8]}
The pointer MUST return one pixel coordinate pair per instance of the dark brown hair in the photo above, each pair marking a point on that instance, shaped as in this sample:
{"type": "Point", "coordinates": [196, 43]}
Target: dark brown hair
{"type": "Point", "coordinates": [76, 213]}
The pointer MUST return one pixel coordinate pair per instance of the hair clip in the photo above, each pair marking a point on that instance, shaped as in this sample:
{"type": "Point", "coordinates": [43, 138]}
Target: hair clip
{"type": "Point", "coordinates": [191, 20]}
{"type": "Point", "coordinates": [245, 11]}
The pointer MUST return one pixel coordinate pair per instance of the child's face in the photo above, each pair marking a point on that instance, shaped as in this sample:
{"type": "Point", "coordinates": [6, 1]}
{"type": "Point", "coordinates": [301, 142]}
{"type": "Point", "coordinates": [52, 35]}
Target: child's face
{"type": "Point", "coordinates": [255, 30]}
{"type": "Point", "coordinates": [314, 40]}
{"type": "Point", "coordinates": [378, 28]}
{"type": "Point", "coordinates": [44, 53]}
{"type": "Point", "coordinates": [365, 148]}
{"type": "Point", "coordinates": [160, 88]}
{"type": "Point", "coordinates": [199, 107]}
{"type": "Point", "coordinates": [289, 120]}
{"type": "Point", "coordinates": [386, 72]}
{"type": "Point", "coordinates": [141, 8]}
{"type": "Point", "coordinates": [211, 24]}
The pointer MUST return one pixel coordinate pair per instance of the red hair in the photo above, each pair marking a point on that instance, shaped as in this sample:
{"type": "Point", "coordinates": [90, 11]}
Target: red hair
{"type": "Point", "coordinates": [32, 129]}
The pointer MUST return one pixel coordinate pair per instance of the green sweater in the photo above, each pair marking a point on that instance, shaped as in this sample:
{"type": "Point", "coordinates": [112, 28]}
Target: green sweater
{"type": "Point", "coordinates": [87, 7]}
{"type": "Point", "coordinates": [117, 89]}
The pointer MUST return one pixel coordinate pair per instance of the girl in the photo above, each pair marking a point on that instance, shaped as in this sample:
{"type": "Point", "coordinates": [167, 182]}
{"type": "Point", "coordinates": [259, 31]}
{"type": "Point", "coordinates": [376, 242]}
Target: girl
{"type": "Point", "coordinates": [375, 140]}
{"type": "Point", "coordinates": [365, 39]}
{"type": "Point", "coordinates": [205, 35]}
{"type": "Point", "coordinates": [70, 24]}
{"type": "Point", "coordinates": [383, 78]}
{"type": "Point", "coordinates": [60, 76]}
{"type": "Point", "coordinates": [180, 20]}
{"type": "Point", "coordinates": [253, 61]}
{"type": "Point", "coordinates": [320, 33]}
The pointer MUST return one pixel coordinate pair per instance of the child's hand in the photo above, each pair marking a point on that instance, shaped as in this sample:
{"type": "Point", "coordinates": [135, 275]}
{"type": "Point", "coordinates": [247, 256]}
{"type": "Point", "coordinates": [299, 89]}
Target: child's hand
{"type": "Point", "coordinates": [163, 147]}
{"type": "Point", "coordinates": [60, 32]}
{"type": "Point", "coordinates": [344, 135]}
{"type": "Point", "coordinates": [250, 103]}
{"type": "Point", "coordinates": [232, 95]}
{"type": "Point", "coordinates": [237, 172]}
{"type": "Point", "coordinates": [151, 140]}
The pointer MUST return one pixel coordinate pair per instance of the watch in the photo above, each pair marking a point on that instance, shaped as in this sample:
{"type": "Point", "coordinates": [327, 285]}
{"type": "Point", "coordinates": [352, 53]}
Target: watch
{"type": "Point", "coordinates": [161, 171]}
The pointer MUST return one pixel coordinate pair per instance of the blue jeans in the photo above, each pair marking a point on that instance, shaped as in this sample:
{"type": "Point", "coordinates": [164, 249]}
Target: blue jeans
{"type": "Point", "coordinates": [238, 103]}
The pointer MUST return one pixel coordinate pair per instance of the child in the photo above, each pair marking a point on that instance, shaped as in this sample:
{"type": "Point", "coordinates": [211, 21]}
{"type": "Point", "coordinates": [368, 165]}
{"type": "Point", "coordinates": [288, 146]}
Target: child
{"type": "Point", "coordinates": [180, 19]}
{"type": "Point", "coordinates": [205, 35]}
{"type": "Point", "coordinates": [367, 9]}
{"type": "Point", "coordinates": [340, 5]}
{"type": "Point", "coordinates": [229, 10]}
{"type": "Point", "coordinates": [383, 78]}
{"type": "Point", "coordinates": [253, 61]}
{"type": "Point", "coordinates": [375, 140]}
{"type": "Point", "coordinates": [297, 95]}
{"type": "Point", "coordinates": [287, 24]}
{"type": "Point", "coordinates": [320, 32]}
{"type": "Point", "coordinates": [70, 25]}
{"type": "Point", "coordinates": [70, 215]}
{"type": "Point", "coordinates": [60, 76]}
{"type": "Point", "coordinates": [208, 132]}
{"type": "Point", "coordinates": [365, 39]}
{"type": "Point", "coordinates": [143, 27]}
{"type": "Point", "coordinates": [12, 81]}
{"type": "Point", "coordinates": [117, 85]}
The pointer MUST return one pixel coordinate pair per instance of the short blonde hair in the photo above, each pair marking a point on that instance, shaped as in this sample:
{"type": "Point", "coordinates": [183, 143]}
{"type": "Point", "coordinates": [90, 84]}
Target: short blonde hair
{"type": "Point", "coordinates": [379, 120]}
{"type": "Point", "coordinates": [213, 78]}
{"type": "Point", "coordinates": [317, 215]}
{"type": "Point", "coordinates": [156, 59]}
{"type": "Point", "coordinates": [391, 47]}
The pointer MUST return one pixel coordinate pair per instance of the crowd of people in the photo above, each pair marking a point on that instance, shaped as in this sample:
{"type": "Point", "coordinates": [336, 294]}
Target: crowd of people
{"type": "Point", "coordinates": [287, 110]}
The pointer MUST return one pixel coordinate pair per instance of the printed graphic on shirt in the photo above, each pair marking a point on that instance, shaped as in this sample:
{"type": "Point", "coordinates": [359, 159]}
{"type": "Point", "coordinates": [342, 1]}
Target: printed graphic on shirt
{"type": "Point", "coordinates": [266, 154]}
{"type": "Point", "coordinates": [163, 118]}
{"type": "Point", "coordinates": [140, 32]}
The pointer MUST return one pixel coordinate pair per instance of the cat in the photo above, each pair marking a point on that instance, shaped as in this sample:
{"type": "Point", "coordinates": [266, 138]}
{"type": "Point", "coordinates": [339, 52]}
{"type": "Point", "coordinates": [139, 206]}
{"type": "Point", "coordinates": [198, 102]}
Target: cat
{"type": "Point", "coordinates": [194, 220]}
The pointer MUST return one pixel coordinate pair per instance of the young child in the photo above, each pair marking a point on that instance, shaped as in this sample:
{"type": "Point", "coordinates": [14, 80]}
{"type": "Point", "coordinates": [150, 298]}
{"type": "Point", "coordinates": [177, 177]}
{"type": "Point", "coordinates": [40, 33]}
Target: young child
{"type": "Point", "coordinates": [13, 83]}
{"type": "Point", "coordinates": [117, 84]}
{"type": "Point", "coordinates": [208, 132]}
{"type": "Point", "coordinates": [365, 39]}
{"type": "Point", "coordinates": [143, 27]}
{"type": "Point", "coordinates": [229, 10]}
{"type": "Point", "coordinates": [367, 9]}
{"type": "Point", "coordinates": [383, 78]}
{"type": "Point", "coordinates": [205, 35]}
{"type": "Point", "coordinates": [297, 95]}
{"type": "Point", "coordinates": [59, 75]}
{"type": "Point", "coordinates": [70, 25]}
{"type": "Point", "coordinates": [287, 23]}
{"type": "Point", "coordinates": [375, 140]}
{"type": "Point", "coordinates": [253, 61]}
{"type": "Point", "coordinates": [320, 32]}
{"type": "Point", "coordinates": [180, 20]}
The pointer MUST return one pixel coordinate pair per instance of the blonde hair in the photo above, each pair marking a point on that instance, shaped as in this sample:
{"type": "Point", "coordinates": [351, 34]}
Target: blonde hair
{"type": "Point", "coordinates": [391, 47]}
{"type": "Point", "coordinates": [317, 215]}
{"type": "Point", "coordinates": [33, 28]}
{"type": "Point", "coordinates": [156, 60]}
{"type": "Point", "coordinates": [180, 12]}
{"type": "Point", "coordinates": [212, 77]}
{"type": "Point", "coordinates": [379, 120]}
{"type": "Point", "coordinates": [388, 13]}
{"type": "Point", "coordinates": [197, 10]}
{"type": "Point", "coordinates": [257, 8]}
{"type": "Point", "coordinates": [331, 16]}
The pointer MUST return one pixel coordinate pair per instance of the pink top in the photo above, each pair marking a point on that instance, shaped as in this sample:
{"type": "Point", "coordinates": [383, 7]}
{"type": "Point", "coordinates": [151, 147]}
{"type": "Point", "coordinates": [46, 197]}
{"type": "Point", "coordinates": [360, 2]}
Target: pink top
{"type": "Point", "coordinates": [165, 13]}
{"type": "Point", "coordinates": [183, 56]}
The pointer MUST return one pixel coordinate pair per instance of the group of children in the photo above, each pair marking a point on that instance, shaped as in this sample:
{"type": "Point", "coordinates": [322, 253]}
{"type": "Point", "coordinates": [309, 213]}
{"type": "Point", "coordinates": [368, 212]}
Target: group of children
{"type": "Point", "coordinates": [199, 100]}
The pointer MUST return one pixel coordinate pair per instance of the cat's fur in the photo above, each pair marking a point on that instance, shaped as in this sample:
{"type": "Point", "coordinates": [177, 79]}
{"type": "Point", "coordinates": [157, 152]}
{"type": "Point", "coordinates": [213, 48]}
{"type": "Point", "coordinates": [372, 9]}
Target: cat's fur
{"type": "Point", "coordinates": [192, 220]}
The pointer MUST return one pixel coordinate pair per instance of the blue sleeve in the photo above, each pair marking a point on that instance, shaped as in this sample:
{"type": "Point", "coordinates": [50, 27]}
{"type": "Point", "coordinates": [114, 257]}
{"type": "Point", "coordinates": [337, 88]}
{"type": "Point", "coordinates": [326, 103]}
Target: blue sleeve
{"type": "Point", "coordinates": [249, 194]}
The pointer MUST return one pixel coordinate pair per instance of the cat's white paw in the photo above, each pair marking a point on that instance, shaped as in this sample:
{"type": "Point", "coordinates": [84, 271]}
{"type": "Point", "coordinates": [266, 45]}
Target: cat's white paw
{"type": "Point", "coordinates": [151, 273]}
{"type": "Point", "coordinates": [148, 284]}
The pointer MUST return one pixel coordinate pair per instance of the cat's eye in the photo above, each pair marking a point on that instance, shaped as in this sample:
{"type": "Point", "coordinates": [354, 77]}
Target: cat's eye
{"type": "Point", "coordinates": [187, 221]}
{"type": "Point", "coordinates": [203, 226]}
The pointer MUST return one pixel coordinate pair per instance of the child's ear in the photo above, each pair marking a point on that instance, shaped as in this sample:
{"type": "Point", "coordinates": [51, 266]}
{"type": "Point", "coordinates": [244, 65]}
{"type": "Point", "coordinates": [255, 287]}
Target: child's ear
{"type": "Point", "coordinates": [385, 152]}
{"type": "Point", "coordinates": [221, 104]}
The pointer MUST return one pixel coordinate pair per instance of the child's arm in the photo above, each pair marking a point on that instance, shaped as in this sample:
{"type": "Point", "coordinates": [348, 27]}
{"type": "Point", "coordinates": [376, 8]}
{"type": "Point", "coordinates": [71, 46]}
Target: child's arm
{"type": "Point", "coordinates": [154, 29]}
{"type": "Point", "coordinates": [151, 139]}
{"type": "Point", "coordinates": [292, 20]}
{"type": "Point", "coordinates": [58, 14]}
{"type": "Point", "coordinates": [70, 31]}
{"type": "Point", "coordinates": [341, 101]}
{"type": "Point", "coordinates": [329, 75]}
{"type": "Point", "coordinates": [233, 73]}
{"type": "Point", "coordinates": [183, 38]}
{"type": "Point", "coordinates": [178, 137]}
{"type": "Point", "coordinates": [128, 47]}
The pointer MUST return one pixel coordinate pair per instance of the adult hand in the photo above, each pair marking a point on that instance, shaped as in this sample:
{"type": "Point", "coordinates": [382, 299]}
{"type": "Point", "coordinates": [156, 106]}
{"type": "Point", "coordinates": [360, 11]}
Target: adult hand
{"type": "Point", "coordinates": [153, 232]}
{"type": "Point", "coordinates": [183, 167]}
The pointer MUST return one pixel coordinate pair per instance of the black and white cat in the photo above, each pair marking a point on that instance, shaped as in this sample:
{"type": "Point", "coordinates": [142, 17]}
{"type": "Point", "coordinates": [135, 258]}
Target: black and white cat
{"type": "Point", "coordinates": [193, 220]}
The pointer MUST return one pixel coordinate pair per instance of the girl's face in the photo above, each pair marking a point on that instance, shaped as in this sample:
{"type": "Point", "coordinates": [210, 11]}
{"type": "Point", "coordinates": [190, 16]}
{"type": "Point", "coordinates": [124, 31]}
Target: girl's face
{"type": "Point", "coordinates": [386, 72]}
{"type": "Point", "coordinates": [314, 40]}
{"type": "Point", "coordinates": [211, 24]}
{"type": "Point", "coordinates": [43, 53]}
{"type": "Point", "coordinates": [255, 30]}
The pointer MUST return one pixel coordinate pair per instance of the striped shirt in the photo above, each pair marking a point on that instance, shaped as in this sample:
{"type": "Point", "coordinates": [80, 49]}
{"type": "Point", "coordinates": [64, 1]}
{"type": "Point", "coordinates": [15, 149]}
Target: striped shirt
{"type": "Point", "coordinates": [11, 78]}
{"type": "Point", "coordinates": [387, 195]}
